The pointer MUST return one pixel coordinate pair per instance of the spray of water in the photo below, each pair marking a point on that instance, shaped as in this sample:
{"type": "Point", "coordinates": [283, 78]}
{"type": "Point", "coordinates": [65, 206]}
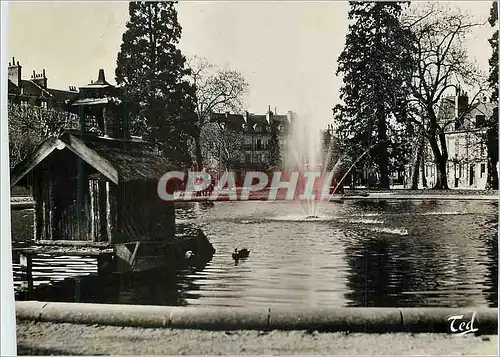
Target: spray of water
{"type": "Point", "coordinates": [305, 152]}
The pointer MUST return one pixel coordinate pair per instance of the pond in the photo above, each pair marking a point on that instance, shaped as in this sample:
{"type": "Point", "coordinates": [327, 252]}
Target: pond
{"type": "Point", "coordinates": [383, 253]}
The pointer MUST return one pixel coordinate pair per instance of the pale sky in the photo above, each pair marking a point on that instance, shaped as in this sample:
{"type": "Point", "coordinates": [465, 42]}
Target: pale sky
{"type": "Point", "coordinates": [287, 51]}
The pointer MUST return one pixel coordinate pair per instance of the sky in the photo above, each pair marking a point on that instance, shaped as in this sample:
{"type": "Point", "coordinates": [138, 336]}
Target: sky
{"type": "Point", "coordinates": [286, 51]}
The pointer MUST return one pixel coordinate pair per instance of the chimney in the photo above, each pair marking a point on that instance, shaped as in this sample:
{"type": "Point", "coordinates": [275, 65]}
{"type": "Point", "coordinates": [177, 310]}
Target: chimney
{"type": "Point", "coordinates": [463, 103]}
{"type": "Point", "coordinates": [457, 95]}
{"type": "Point", "coordinates": [269, 116]}
{"type": "Point", "coordinates": [101, 76]}
{"type": "Point", "coordinates": [14, 72]}
{"type": "Point", "coordinates": [40, 79]}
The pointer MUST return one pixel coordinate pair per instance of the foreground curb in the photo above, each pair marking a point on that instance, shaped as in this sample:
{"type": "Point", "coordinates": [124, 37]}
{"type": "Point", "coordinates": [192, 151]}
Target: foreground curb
{"type": "Point", "coordinates": [331, 319]}
{"type": "Point", "coordinates": [423, 197]}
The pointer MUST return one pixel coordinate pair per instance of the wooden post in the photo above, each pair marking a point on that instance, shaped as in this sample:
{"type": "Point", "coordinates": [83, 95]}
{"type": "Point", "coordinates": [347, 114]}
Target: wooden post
{"type": "Point", "coordinates": [78, 289]}
{"type": "Point", "coordinates": [79, 186]}
{"type": "Point", "coordinates": [105, 264]}
{"type": "Point", "coordinates": [109, 223]}
{"type": "Point", "coordinates": [93, 210]}
{"type": "Point", "coordinates": [26, 260]}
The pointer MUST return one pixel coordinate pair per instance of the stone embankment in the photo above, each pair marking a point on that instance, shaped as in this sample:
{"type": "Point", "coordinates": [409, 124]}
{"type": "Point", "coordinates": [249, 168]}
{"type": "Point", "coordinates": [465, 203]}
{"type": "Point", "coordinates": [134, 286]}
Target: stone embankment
{"type": "Point", "coordinates": [485, 320]}
{"type": "Point", "coordinates": [403, 194]}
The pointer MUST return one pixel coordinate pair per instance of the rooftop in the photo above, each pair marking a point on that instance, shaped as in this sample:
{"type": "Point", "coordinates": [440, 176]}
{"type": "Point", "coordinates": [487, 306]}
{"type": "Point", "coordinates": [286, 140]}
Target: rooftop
{"type": "Point", "coordinates": [120, 161]}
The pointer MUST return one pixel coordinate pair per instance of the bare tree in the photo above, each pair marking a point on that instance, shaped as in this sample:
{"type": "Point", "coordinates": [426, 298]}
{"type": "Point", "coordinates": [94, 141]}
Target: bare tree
{"type": "Point", "coordinates": [221, 146]}
{"type": "Point", "coordinates": [441, 62]}
{"type": "Point", "coordinates": [29, 125]}
{"type": "Point", "coordinates": [217, 90]}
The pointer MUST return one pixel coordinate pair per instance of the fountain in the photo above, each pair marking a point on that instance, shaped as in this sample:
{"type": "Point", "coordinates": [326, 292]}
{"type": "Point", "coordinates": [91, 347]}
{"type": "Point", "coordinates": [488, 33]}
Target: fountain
{"type": "Point", "coordinates": [305, 151]}
{"type": "Point", "coordinates": [312, 217]}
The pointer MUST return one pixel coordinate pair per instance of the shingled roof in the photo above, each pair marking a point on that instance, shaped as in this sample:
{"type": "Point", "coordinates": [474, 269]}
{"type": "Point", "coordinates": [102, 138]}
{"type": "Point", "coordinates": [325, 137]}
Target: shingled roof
{"type": "Point", "coordinates": [133, 159]}
{"type": "Point", "coordinates": [248, 120]}
{"type": "Point", "coordinates": [467, 113]}
{"type": "Point", "coordinates": [119, 160]}
{"type": "Point", "coordinates": [31, 89]}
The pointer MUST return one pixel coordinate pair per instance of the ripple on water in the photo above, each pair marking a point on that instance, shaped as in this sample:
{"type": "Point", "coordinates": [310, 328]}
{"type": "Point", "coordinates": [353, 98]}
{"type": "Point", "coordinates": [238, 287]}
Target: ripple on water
{"type": "Point", "coordinates": [351, 256]}
{"type": "Point", "coordinates": [362, 221]}
{"type": "Point", "coordinates": [396, 231]}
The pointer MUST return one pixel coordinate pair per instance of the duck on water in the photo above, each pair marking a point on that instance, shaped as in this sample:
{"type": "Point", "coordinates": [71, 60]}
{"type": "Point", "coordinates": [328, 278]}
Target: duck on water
{"type": "Point", "coordinates": [240, 254]}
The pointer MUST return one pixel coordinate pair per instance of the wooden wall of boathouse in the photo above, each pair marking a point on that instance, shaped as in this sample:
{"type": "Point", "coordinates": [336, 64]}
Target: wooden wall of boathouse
{"type": "Point", "coordinates": [73, 201]}
{"type": "Point", "coordinates": [142, 215]}
{"type": "Point", "coordinates": [62, 189]}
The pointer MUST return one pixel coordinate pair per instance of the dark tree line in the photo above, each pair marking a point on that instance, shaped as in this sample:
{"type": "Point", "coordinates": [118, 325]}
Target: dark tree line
{"type": "Point", "coordinates": [154, 78]}
{"type": "Point", "coordinates": [170, 100]}
{"type": "Point", "coordinates": [374, 93]}
{"type": "Point", "coordinates": [398, 65]}
{"type": "Point", "coordinates": [492, 122]}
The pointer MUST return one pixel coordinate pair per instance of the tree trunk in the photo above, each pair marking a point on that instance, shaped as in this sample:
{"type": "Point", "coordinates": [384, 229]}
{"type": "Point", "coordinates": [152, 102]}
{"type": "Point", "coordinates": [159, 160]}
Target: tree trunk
{"type": "Point", "coordinates": [415, 169]}
{"type": "Point", "coordinates": [199, 156]}
{"type": "Point", "coordinates": [422, 167]}
{"type": "Point", "coordinates": [419, 164]}
{"type": "Point", "coordinates": [492, 183]}
{"type": "Point", "coordinates": [383, 157]}
{"type": "Point", "coordinates": [440, 159]}
{"type": "Point", "coordinates": [442, 177]}
{"type": "Point", "coordinates": [492, 142]}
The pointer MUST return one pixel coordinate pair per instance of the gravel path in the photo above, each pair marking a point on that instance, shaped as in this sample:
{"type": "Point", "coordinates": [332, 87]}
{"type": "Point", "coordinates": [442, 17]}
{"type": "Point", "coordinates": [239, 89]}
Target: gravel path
{"type": "Point", "coordinates": [71, 339]}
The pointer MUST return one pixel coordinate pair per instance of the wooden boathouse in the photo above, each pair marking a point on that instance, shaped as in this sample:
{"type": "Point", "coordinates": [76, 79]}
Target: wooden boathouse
{"type": "Point", "coordinates": [96, 194]}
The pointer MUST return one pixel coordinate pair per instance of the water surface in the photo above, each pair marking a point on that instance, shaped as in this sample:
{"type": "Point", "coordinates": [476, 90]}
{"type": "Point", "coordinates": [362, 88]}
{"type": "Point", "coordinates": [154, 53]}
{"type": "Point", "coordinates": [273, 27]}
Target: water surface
{"type": "Point", "coordinates": [357, 253]}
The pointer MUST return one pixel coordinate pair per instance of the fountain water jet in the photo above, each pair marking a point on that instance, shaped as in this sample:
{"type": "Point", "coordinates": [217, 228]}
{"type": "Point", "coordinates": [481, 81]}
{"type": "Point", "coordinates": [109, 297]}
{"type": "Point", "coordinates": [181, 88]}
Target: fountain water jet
{"type": "Point", "coordinates": [304, 150]}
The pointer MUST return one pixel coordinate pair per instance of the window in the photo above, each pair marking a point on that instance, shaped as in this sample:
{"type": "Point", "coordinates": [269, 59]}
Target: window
{"type": "Point", "coordinates": [248, 143]}
{"type": "Point", "coordinates": [248, 158]}
{"type": "Point", "coordinates": [480, 121]}
{"type": "Point", "coordinates": [483, 170]}
{"type": "Point", "coordinates": [43, 104]}
{"type": "Point", "coordinates": [259, 144]}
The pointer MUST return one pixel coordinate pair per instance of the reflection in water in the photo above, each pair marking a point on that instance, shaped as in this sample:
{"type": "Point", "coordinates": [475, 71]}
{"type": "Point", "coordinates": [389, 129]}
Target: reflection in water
{"type": "Point", "coordinates": [491, 290]}
{"type": "Point", "coordinates": [360, 253]}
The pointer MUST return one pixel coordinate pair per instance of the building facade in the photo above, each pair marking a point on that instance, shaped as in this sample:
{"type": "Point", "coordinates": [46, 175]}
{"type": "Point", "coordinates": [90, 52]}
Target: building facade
{"type": "Point", "coordinates": [465, 133]}
{"type": "Point", "coordinates": [35, 91]}
{"type": "Point", "coordinates": [96, 103]}
{"type": "Point", "coordinates": [255, 132]}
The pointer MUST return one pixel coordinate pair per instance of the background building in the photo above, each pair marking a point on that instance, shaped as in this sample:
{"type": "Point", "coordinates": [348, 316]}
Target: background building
{"type": "Point", "coordinates": [35, 91]}
{"type": "Point", "coordinates": [465, 132]}
{"type": "Point", "coordinates": [255, 132]}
